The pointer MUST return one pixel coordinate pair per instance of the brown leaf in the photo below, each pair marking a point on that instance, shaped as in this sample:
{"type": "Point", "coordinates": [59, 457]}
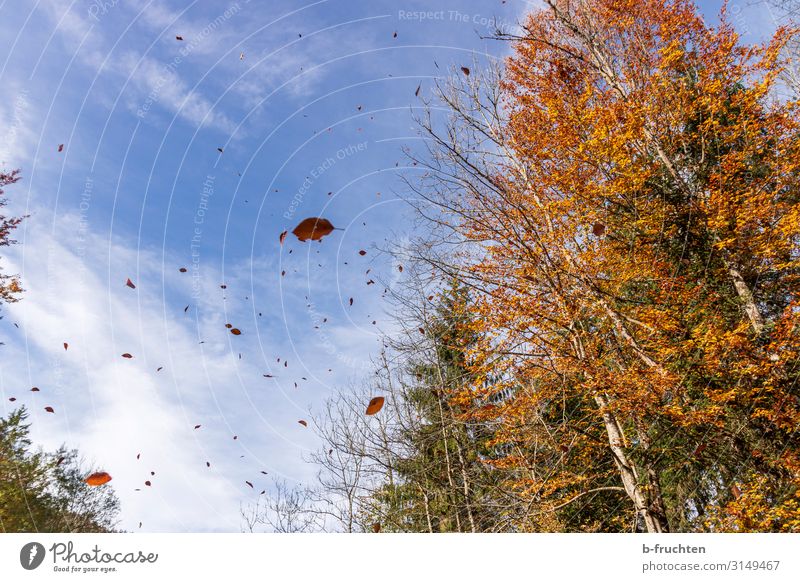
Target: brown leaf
{"type": "Point", "coordinates": [303, 422]}
{"type": "Point", "coordinates": [127, 355]}
{"type": "Point", "coordinates": [465, 70]}
{"type": "Point", "coordinates": [61, 147]}
{"type": "Point", "coordinates": [313, 229]}
{"type": "Point", "coordinates": [375, 405]}
{"type": "Point", "coordinates": [362, 253]}
{"type": "Point", "coordinates": [130, 284]}
{"type": "Point", "coordinates": [148, 483]}
{"type": "Point", "coordinates": [66, 345]}
{"type": "Point", "coordinates": [182, 269]}
{"type": "Point", "coordinates": [99, 478]}
{"type": "Point", "coordinates": [376, 527]}
{"type": "Point", "coordinates": [737, 493]}
{"type": "Point", "coordinates": [49, 409]}
{"type": "Point", "coordinates": [178, 37]}
{"type": "Point", "coordinates": [235, 331]}
{"type": "Point", "coordinates": [351, 301]}
{"type": "Point", "coordinates": [598, 229]}
{"type": "Point", "coordinates": [35, 389]}
{"type": "Point", "coordinates": [283, 236]}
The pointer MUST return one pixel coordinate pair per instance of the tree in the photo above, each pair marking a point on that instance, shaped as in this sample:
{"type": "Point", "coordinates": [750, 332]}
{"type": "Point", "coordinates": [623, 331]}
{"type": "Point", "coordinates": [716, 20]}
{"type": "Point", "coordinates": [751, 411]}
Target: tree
{"type": "Point", "coordinates": [9, 285]}
{"type": "Point", "coordinates": [627, 192]}
{"type": "Point", "coordinates": [46, 492]}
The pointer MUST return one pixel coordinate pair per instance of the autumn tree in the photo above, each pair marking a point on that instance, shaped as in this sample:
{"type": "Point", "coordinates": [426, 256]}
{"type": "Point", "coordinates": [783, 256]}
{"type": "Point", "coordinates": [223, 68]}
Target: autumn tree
{"type": "Point", "coordinates": [626, 194]}
{"type": "Point", "coordinates": [9, 285]}
{"type": "Point", "coordinates": [46, 492]}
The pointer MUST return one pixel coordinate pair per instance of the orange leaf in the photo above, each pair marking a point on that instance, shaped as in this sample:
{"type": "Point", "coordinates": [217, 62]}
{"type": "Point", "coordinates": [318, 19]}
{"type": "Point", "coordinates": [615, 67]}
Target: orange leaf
{"type": "Point", "coordinates": [375, 405]}
{"type": "Point", "coordinates": [99, 478]}
{"type": "Point", "coordinates": [313, 229]}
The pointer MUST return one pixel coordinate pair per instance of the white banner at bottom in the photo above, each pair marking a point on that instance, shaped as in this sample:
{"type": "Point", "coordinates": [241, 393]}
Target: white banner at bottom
{"type": "Point", "coordinates": [406, 557]}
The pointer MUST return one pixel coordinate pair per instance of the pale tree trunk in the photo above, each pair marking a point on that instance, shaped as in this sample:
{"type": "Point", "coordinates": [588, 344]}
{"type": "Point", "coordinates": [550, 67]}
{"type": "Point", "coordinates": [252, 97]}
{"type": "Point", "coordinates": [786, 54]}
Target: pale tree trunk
{"type": "Point", "coordinates": [628, 472]}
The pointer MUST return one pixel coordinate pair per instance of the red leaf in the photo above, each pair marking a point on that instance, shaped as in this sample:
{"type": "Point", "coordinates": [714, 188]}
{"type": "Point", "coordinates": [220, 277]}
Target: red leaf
{"type": "Point", "coordinates": [49, 409]}
{"type": "Point", "coordinates": [66, 345]}
{"type": "Point", "coordinates": [99, 478]}
{"type": "Point", "coordinates": [465, 70]}
{"type": "Point", "coordinates": [130, 284]}
{"type": "Point", "coordinates": [127, 355]}
{"type": "Point", "coordinates": [362, 253]}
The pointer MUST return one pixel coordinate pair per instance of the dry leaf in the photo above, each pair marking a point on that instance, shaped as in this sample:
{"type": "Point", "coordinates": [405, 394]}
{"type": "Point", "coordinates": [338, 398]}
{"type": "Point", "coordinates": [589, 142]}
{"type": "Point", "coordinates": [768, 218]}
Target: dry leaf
{"type": "Point", "coordinates": [99, 478]}
{"type": "Point", "coordinates": [127, 355]}
{"type": "Point", "coordinates": [375, 405]}
{"type": "Point", "coordinates": [598, 229]}
{"type": "Point", "coordinates": [465, 70]}
{"type": "Point", "coordinates": [313, 229]}
{"type": "Point", "coordinates": [303, 422]}
{"type": "Point", "coordinates": [49, 409]}
{"type": "Point", "coordinates": [283, 236]}
{"type": "Point", "coordinates": [130, 284]}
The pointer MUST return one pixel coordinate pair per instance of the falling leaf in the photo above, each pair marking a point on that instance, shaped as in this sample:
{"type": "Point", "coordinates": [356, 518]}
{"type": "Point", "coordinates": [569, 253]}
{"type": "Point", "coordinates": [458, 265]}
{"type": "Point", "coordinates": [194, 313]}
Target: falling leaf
{"type": "Point", "coordinates": [208, 464]}
{"type": "Point", "coordinates": [362, 253]}
{"type": "Point", "coordinates": [130, 284]}
{"type": "Point", "coordinates": [241, 56]}
{"type": "Point", "coordinates": [185, 309]}
{"type": "Point", "coordinates": [313, 228]}
{"type": "Point", "coordinates": [220, 150]}
{"type": "Point", "coordinates": [416, 93]}
{"type": "Point", "coordinates": [35, 389]}
{"type": "Point", "coordinates": [59, 461]}
{"type": "Point", "coordinates": [303, 422]}
{"type": "Point", "coordinates": [99, 478]}
{"type": "Point", "coordinates": [127, 355]}
{"type": "Point", "coordinates": [598, 229]}
{"type": "Point", "coordinates": [235, 331]}
{"type": "Point", "coordinates": [182, 269]}
{"type": "Point", "coordinates": [148, 483]}
{"type": "Point", "coordinates": [228, 325]}
{"type": "Point", "coordinates": [66, 345]}
{"type": "Point", "coordinates": [283, 236]}
{"type": "Point", "coordinates": [61, 147]}
{"type": "Point", "coordinates": [197, 426]}
{"type": "Point", "coordinates": [178, 37]}
{"type": "Point", "coordinates": [351, 301]}
{"type": "Point", "coordinates": [375, 405]}
{"type": "Point", "coordinates": [264, 472]}
{"type": "Point", "coordinates": [395, 34]}
{"type": "Point", "coordinates": [12, 399]}
{"type": "Point", "coordinates": [465, 70]}
{"type": "Point", "coordinates": [49, 409]}
{"type": "Point", "coordinates": [159, 368]}
{"type": "Point", "coordinates": [251, 485]}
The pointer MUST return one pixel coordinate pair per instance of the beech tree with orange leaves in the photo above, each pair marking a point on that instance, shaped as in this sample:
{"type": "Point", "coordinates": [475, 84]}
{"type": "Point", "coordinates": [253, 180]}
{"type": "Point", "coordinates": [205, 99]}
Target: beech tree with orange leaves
{"type": "Point", "coordinates": [626, 192]}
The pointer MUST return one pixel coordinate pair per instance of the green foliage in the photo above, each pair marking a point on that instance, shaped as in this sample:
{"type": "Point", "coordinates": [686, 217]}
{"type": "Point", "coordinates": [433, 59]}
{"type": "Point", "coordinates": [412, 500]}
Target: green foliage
{"type": "Point", "coordinates": [45, 492]}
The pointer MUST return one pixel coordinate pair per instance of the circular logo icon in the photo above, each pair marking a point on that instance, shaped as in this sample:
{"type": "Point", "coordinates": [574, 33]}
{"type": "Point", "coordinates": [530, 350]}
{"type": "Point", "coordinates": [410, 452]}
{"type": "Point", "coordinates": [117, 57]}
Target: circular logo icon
{"type": "Point", "coordinates": [31, 555]}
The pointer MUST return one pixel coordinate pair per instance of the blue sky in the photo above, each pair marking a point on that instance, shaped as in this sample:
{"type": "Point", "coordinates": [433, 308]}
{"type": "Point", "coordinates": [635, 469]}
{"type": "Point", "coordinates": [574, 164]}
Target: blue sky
{"type": "Point", "coordinates": [312, 105]}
